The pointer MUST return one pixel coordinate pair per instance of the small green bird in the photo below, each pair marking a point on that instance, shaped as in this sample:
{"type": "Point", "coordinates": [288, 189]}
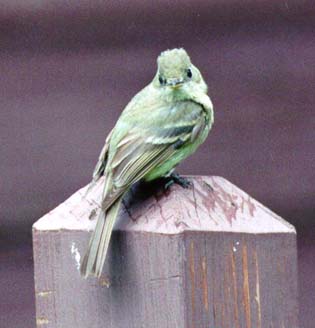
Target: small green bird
{"type": "Point", "coordinates": [162, 125]}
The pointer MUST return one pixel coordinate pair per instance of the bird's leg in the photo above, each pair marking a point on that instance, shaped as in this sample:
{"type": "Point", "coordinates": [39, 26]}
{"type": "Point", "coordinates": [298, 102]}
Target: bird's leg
{"type": "Point", "coordinates": [183, 182]}
{"type": "Point", "coordinates": [169, 182]}
{"type": "Point", "coordinates": [176, 178]}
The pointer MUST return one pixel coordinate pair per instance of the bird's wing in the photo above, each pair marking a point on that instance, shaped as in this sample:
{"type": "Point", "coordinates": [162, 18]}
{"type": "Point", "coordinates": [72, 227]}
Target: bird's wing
{"type": "Point", "coordinates": [99, 169]}
{"type": "Point", "coordinates": [140, 150]}
{"type": "Point", "coordinates": [102, 159]}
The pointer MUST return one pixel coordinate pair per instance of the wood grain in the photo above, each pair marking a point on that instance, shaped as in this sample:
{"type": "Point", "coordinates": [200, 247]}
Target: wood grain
{"type": "Point", "coordinates": [208, 256]}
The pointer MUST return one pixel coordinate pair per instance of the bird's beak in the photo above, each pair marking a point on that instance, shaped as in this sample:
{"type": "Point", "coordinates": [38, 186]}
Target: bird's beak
{"type": "Point", "coordinates": [175, 83]}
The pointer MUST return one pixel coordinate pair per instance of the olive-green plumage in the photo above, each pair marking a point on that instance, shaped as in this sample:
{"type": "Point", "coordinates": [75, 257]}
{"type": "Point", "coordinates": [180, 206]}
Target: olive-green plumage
{"type": "Point", "coordinates": [162, 125]}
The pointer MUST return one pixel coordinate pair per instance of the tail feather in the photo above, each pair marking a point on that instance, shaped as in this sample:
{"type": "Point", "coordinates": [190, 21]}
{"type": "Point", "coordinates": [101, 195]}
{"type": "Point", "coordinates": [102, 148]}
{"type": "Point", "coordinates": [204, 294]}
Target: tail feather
{"type": "Point", "coordinates": [95, 256]}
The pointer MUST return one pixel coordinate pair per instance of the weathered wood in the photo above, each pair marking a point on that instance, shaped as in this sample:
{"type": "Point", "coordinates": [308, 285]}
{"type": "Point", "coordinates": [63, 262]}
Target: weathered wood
{"type": "Point", "coordinates": [208, 256]}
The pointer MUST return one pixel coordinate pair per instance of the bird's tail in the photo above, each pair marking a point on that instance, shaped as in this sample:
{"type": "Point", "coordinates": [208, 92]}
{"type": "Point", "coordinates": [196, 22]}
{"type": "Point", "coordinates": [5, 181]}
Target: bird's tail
{"type": "Point", "coordinates": [94, 258]}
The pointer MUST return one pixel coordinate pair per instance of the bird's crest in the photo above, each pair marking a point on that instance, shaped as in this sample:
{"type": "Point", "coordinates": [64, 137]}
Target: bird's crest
{"type": "Point", "coordinates": [172, 62]}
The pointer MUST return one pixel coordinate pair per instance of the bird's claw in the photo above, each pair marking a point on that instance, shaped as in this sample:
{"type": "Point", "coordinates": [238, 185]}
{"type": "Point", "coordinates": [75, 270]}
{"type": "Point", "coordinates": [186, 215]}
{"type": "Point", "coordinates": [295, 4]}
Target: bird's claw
{"type": "Point", "coordinates": [168, 184]}
{"type": "Point", "coordinates": [176, 178]}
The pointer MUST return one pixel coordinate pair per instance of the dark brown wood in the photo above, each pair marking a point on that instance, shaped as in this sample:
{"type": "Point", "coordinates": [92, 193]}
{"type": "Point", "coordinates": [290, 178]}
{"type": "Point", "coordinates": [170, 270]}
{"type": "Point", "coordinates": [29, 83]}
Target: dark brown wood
{"type": "Point", "coordinates": [208, 256]}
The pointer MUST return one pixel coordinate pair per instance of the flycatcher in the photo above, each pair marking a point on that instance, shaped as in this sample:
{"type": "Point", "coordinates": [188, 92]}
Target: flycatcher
{"type": "Point", "coordinates": [162, 125]}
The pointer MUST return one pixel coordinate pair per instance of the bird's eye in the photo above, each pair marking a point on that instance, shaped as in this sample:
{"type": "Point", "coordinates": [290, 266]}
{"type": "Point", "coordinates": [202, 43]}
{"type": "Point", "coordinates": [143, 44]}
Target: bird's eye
{"type": "Point", "coordinates": [161, 80]}
{"type": "Point", "coordinates": [189, 73]}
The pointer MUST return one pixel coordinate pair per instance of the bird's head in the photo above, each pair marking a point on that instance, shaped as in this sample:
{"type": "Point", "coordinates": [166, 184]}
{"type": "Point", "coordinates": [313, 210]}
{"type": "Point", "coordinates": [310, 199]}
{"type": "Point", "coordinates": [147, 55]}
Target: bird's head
{"type": "Point", "coordinates": [175, 70]}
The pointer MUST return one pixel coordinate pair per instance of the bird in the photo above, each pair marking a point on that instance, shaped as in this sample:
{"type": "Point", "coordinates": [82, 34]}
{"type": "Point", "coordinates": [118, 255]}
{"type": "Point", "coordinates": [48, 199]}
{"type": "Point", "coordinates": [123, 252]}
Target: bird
{"type": "Point", "coordinates": [162, 125]}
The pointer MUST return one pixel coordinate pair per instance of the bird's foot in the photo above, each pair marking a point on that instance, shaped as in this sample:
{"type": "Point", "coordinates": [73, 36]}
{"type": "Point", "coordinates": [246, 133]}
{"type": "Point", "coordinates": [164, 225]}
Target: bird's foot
{"type": "Point", "coordinates": [169, 182]}
{"type": "Point", "coordinates": [176, 178]}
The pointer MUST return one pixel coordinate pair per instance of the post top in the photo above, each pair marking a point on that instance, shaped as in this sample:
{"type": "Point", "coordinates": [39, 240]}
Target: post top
{"type": "Point", "coordinates": [211, 204]}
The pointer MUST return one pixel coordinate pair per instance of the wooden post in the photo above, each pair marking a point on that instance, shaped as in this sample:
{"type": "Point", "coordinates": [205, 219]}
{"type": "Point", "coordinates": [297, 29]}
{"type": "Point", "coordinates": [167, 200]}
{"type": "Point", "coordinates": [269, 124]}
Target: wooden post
{"type": "Point", "coordinates": [205, 257]}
